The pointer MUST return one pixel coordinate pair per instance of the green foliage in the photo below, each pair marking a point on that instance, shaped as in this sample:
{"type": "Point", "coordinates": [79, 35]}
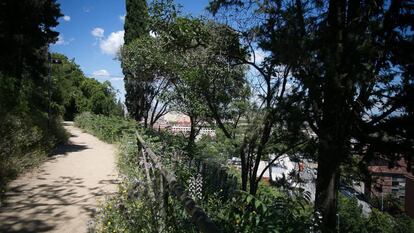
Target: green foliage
{"type": "Point", "coordinates": [380, 222]}
{"type": "Point", "coordinates": [73, 93]}
{"type": "Point", "coordinates": [25, 143]}
{"type": "Point", "coordinates": [26, 29]}
{"type": "Point", "coordinates": [132, 210]}
{"type": "Point", "coordinates": [27, 135]}
{"type": "Point", "coordinates": [404, 224]}
{"type": "Point", "coordinates": [269, 211]}
{"type": "Point", "coordinates": [136, 20]}
{"type": "Point", "coordinates": [184, 67]}
{"type": "Point", "coordinates": [137, 91]}
{"type": "Point", "coordinates": [352, 220]}
{"type": "Point", "coordinates": [217, 148]}
{"type": "Point", "coordinates": [109, 129]}
{"type": "Point", "coordinates": [350, 74]}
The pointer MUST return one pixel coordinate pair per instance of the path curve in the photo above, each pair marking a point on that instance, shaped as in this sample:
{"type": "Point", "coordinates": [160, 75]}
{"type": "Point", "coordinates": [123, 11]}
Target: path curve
{"type": "Point", "coordinates": [62, 194]}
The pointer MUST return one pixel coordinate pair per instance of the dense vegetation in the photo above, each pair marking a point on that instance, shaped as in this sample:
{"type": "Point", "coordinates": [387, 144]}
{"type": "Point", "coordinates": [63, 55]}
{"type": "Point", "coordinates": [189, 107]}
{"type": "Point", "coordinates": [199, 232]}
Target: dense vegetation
{"type": "Point", "coordinates": [26, 132]}
{"type": "Point", "coordinates": [271, 210]}
{"type": "Point", "coordinates": [349, 73]}
{"type": "Point", "coordinates": [325, 81]}
{"type": "Point", "coordinates": [329, 81]}
{"type": "Point", "coordinates": [234, 211]}
{"type": "Point", "coordinates": [31, 106]}
{"type": "Point", "coordinates": [73, 92]}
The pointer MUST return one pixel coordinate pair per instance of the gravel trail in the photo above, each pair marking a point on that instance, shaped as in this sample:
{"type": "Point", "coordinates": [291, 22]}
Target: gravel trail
{"type": "Point", "coordinates": [63, 193]}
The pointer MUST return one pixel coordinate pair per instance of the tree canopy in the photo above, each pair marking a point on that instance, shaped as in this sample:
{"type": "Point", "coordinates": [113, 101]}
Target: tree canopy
{"type": "Point", "coordinates": [74, 93]}
{"type": "Point", "coordinates": [349, 61]}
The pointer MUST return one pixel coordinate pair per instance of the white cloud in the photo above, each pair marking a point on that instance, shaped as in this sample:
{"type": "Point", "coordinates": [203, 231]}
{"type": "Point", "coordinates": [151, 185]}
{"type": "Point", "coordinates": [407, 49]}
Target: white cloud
{"type": "Point", "coordinates": [122, 18]}
{"type": "Point", "coordinates": [98, 32]}
{"type": "Point", "coordinates": [101, 73]}
{"type": "Point", "coordinates": [66, 18]}
{"type": "Point", "coordinates": [113, 43]}
{"type": "Point", "coordinates": [62, 41]}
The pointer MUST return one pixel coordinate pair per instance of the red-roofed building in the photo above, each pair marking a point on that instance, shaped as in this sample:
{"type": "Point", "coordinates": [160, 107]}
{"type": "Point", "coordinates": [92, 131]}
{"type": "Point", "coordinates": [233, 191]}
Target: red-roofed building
{"type": "Point", "coordinates": [396, 181]}
{"type": "Point", "coordinates": [179, 123]}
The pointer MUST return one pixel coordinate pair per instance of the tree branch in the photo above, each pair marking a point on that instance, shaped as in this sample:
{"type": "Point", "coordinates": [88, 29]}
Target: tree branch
{"type": "Point", "coordinates": [277, 157]}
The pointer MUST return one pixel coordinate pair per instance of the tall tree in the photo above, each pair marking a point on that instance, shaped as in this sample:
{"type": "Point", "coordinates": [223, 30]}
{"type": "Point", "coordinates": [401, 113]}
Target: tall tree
{"type": "Point", "coordinates": [26, 29]}
{"type": "Point", "coordinates": [212, 63]}
{"type": "Point", "coordinates": [136, 87]}
{"type": "Point", "coordinates": [144, 60]}
{"type": "Point", "coordinates": [351, 59]}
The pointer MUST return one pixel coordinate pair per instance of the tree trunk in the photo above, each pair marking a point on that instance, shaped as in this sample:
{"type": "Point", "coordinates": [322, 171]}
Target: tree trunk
{"type": "Point", "coordinates": [267, 129]}
{"type": "Point", "coordinates": [327, 184]}
{"type": "Point", "coordinates": [146, 122]}
{"type": "Point", "coordinates": [244, 166]}
{"type": "Point", "coordinates": [334, 127]}
{"type": "Point", "coordinates": [270, 169]}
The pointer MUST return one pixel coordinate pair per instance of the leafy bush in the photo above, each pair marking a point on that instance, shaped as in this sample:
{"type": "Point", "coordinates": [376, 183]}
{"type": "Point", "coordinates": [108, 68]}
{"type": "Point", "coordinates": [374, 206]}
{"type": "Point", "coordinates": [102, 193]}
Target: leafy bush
{"type": "Point", "coordinates": [25, 143]}
{"type": "Point", "coordinates": [132, 209]}
{"type": "Point", "coordinates": [109, 129]}
{"type": "Point", "coordinates": [352, 220]}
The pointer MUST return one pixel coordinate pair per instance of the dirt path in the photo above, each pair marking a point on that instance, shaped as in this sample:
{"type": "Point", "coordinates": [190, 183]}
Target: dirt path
{"type": "Point", "coordinates": [63, 193]}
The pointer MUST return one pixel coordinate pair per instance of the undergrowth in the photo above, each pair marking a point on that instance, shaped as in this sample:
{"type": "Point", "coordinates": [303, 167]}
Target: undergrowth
{"type": "Point", "coordinates": [133, 209]}
{"type": "Point", "coordinates": [26, 142]}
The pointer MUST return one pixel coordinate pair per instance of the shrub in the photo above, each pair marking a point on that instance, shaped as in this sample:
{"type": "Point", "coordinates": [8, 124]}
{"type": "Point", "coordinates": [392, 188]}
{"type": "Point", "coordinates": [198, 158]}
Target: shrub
{"type": "Point", "coordinates": [109, 129]}
{"type": "Point", "coordinates": [25, 143]}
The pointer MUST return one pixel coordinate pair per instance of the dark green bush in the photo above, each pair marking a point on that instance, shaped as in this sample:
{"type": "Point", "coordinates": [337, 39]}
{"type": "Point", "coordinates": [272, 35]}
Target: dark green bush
{"type": "Point", "coordinates": [25, 143]}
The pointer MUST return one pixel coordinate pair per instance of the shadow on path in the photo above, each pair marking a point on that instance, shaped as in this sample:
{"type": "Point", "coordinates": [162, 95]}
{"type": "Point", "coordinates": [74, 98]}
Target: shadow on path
{"type": "Point", "coordinates": [68, 148]}
{"type": "Point", "coordinates": [63, 193]}
{"type": "Point", "coordinates": [44, 204]}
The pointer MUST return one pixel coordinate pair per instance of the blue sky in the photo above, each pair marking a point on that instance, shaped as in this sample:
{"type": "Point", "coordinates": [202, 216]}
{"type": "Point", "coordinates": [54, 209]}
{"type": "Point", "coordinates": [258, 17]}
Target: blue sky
{"type": "Point", "coordinates": [92, 30]}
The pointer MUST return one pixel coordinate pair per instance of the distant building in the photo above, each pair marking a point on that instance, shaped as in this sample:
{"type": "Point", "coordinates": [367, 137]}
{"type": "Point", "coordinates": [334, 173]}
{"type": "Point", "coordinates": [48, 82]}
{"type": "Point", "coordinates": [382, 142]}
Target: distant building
{"type": "Point", "coordinates": [283, 167]}
{"type": "Point", "coordinates": [396, 181]}
{"type": "Point", "coordinates": [179, 123]}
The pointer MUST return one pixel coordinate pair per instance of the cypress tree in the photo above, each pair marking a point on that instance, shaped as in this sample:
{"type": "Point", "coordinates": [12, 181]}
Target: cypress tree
{"type": "Point", "coordinates": [136, 20]}
{"type": "Point", "coordinates": [136, 26]}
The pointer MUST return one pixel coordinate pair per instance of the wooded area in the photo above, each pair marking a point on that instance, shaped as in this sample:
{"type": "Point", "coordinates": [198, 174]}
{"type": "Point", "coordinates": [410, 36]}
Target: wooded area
{"type": "Point", "coordinates": [330, 81]}
{"type": "Point", "coordinates": [39, 89]}
{"type": "Point", "coordinates": [327, 82]}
